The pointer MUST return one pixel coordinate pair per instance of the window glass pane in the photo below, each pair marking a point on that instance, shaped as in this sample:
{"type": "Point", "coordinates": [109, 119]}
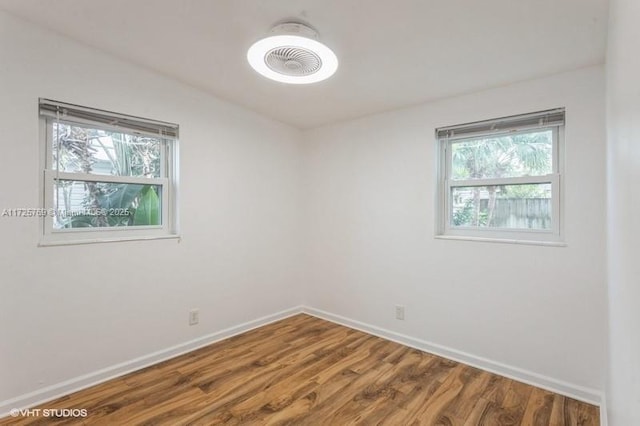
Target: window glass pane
{"type": "Point", "coordinates": [521, 154]}
{"type": "Point", "coordinates": [502, 206]}
{"type": "Point", "coordinates": [80, 204]}
{"type": "Point", "coordinates": [80, 149]}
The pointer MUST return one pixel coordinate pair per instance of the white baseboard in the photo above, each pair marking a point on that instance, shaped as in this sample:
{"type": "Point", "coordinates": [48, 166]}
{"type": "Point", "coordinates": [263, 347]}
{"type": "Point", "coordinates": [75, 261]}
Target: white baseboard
{"type": "Point", "coordinates": [591, 396]}
{"type": "Point", "coordinates": [57, 390]}
{"type": "Point", "coordinates": [604, 420]}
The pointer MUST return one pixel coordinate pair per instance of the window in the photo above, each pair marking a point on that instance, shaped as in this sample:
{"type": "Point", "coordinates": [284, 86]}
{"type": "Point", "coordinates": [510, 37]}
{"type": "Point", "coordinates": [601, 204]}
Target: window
{"type": "Point", "coordinates": [501, 179]}
{"type": "Point", "coordinates": [107, 176]}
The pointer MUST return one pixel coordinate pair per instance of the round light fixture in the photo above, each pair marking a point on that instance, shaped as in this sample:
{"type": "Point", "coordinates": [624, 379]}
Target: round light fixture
{"type": "Point", "coordinates": [292, 54]}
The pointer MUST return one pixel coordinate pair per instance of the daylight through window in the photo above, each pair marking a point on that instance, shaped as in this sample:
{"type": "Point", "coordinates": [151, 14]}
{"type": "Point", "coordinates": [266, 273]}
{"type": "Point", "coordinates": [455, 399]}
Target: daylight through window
{"type": "Point", "coordinates": [107, 176]}
{"type": "Point", "coordinates": [500, 179]}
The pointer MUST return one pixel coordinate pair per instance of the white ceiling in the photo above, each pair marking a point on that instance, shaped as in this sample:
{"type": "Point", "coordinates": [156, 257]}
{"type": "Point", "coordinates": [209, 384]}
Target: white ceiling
{"type": "Point", "coordinates": [393, 53]}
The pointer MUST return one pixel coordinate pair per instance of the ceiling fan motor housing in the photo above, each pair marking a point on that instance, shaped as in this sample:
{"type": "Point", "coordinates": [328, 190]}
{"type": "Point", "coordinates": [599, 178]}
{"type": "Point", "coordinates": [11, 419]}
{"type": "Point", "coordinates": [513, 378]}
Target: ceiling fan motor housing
{"type": "Point", "coordinates": [293, 60]}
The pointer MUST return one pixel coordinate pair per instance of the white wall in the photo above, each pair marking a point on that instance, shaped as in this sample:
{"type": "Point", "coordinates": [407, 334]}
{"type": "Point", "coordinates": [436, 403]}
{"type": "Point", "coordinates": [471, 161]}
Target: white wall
{"type": "Point", "coordinates": [623, 102]}
{"type": "Point", "coordinates": [370, 187]}
{"type": "Point", "coordinates": [67, 311]}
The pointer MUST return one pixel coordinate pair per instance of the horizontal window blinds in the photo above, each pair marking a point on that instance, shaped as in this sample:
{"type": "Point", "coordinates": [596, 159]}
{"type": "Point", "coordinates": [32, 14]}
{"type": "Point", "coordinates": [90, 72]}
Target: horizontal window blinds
{"type": "Point", "coordinates": [549, 118]}
{"type": "Point", "coordinates": [109, 120]}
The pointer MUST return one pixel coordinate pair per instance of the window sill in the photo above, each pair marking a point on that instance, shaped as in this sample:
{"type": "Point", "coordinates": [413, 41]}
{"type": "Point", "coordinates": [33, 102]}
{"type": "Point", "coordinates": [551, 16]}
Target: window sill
{"type": "Point", "coordinates": [503, 241]}
{"type": "Point", "coordinates": [65, 242]}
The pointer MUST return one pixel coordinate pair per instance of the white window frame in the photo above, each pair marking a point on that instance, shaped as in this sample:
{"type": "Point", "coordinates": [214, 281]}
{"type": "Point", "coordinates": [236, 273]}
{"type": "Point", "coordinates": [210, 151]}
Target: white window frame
{"type": "Point", "coordinates": [444, 228]}
{"type": "Point", "coordinates": [168, 180]}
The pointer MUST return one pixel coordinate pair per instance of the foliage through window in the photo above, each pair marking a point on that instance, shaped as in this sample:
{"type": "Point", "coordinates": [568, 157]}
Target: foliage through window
{"type": "Point", "coordinates": [501, 178]}
{"type": "Point", "coordinates": [107, 176]}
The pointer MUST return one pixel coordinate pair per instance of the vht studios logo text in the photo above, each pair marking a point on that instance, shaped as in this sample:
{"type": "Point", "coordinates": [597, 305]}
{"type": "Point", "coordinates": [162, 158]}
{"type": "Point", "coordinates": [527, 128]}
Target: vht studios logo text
{"type": "Point", "coordinates": [49, 412]}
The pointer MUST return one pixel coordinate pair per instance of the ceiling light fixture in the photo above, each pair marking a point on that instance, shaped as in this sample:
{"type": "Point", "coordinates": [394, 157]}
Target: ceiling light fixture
{"type": "Point", "coordinates": [292, 54]}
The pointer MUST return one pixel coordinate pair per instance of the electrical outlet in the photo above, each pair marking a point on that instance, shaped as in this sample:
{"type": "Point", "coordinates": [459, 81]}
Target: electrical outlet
{"type": "Point", "coordinates": [400, 312]}
{"type": "Point", "coordinates": [194, 316]}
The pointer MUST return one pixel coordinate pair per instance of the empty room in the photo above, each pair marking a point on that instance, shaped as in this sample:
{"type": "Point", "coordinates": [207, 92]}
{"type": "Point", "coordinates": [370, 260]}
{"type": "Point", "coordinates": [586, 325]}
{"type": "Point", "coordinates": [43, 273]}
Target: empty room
{"type": "Point", "coordinates": [320, 212]}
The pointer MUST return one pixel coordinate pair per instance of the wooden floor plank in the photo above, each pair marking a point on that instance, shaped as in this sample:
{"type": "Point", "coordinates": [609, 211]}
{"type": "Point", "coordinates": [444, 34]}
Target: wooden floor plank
{"type": "Point", "coordinates": [474, 382]}
{"type": "Point", "coordinates": [538, 411]}
{"type": "Point", "coordinates": [306, 371]}
{"type": "Point", "coordinates": [430, 411]}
